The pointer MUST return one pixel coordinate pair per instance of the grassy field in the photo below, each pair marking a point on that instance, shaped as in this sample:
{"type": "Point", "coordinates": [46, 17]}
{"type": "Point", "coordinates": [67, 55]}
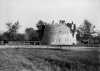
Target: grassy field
{"type": "Point", "coordinates": [49, 59]}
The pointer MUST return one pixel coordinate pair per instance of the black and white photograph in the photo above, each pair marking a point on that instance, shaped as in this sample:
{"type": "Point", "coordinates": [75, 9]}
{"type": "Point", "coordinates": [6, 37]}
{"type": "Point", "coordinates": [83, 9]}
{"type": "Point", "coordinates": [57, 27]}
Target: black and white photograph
{"type": "Point", "coordinates": [49, 35]}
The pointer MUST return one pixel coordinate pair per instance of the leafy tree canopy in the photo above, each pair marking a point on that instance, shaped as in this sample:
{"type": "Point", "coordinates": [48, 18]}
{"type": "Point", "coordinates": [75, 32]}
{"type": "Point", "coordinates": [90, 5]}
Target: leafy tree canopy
{"type": "Point", "coordinates": [12, 28]}
{"type": "Point", "coordinates": [86, 28]}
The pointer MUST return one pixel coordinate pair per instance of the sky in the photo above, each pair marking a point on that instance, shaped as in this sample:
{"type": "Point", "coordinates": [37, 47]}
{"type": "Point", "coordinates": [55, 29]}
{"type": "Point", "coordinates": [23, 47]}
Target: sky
{"type": "Point", "coordinates": [29, 12]}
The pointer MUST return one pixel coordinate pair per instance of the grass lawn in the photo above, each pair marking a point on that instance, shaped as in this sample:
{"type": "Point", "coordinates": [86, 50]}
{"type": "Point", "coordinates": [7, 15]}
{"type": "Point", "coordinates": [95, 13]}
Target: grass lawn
{"type": "Point", "coordinates": [49, 59]}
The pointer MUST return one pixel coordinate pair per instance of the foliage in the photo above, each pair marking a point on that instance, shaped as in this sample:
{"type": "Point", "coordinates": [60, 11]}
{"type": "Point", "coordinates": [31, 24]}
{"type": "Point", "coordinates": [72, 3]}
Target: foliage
{"type": "Point", "coordinates": [31, 34]}
{"type": "Point", "coordinates": [41, 28]}
{"type": "Point", "coordinates": [11, 34]}
{"type": "Point", "coordinates": [12, 28]}
{"type": "Point", "coordinates": [84, 32]}
{"type": "Point", "coordinates": [86, 28]}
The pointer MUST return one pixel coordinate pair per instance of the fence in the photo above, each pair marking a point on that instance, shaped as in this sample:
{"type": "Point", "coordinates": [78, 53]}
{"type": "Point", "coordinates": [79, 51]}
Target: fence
{"type": "Point", "coordinates": [20, 42]}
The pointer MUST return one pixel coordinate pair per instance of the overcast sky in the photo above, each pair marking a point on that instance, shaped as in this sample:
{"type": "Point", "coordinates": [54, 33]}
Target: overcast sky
{"type": "Point", "coordinates": [28, 12]}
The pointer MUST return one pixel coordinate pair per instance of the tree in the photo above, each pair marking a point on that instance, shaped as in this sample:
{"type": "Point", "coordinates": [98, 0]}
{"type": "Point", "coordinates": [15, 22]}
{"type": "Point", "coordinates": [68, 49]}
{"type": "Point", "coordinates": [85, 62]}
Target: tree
{"type": "Point", "coordinates": [86, 28]}
{"type": "Point", "coordinates": [72, 27]}
{"type": "Point", "coordinates": [31, 34]}
{"type": "Point", "coordinates": [41, 28]}
{"type": "Point", "coordinates": [84, 32]}
{"type": "Point", "coordinates": [12, 28]}
{"type": "Point", "coordinates": [11, 34]}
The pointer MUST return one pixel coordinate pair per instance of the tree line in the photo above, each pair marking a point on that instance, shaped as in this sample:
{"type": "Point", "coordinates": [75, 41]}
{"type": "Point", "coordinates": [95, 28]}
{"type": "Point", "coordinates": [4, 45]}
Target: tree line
{"type": "Point", "coordinates": [30, 33]}
{"type": "Point", "coordinates": [84, 34]}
